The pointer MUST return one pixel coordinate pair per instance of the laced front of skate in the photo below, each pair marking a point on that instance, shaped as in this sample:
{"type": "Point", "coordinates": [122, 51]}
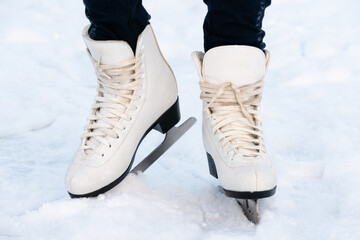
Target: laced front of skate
{"type": "Point", "coordinates": [117, 88]}
{"type": "Point", "coordinates": [235, 117]}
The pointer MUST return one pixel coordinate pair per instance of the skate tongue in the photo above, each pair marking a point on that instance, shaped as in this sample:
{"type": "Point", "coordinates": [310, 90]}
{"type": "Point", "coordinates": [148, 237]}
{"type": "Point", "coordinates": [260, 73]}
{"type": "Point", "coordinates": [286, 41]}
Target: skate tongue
{"type": "Point", "coordinates": [108, 52]}
{"type": "Point", "coordinates": [239, 65]}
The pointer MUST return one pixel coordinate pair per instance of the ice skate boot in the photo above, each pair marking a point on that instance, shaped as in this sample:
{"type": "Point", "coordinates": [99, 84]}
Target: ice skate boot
{"type": "Point", "coordinates": [231, 80]}
{"type": "Point", "coordinates": [136, 93]}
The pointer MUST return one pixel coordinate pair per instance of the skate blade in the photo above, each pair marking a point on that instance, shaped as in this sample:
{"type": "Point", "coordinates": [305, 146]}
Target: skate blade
{"type": "Point", "coordinates": [171, 137]}
{"type": "Point", "coordinates": [250, 208]}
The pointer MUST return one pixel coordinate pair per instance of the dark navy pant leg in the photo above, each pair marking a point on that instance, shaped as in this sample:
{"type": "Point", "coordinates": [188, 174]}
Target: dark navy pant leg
{"type": "Point", "coordinates": [116, 19]}
{"type": "Point", "coordinates": [234, 22]}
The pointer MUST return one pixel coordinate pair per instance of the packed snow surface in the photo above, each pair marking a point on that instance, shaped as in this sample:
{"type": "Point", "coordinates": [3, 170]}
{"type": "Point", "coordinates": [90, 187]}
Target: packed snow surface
{"type": "Point", "coordinates": [311, 116]}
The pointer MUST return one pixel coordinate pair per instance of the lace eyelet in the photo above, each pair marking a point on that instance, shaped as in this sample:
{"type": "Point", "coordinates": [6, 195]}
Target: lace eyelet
{"type": "Point", "coordinates": [102, 155]}
{"type": "Point", "coordinates": [117, 137]}
{"type": "Point", "coordinates": [110, 146]}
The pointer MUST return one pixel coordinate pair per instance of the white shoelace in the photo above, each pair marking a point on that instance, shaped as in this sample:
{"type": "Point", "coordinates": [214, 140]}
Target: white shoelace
{"type": "Point", "coordinates": [234, 113]}
{"type": "Point", "coordinates": [117, 85]}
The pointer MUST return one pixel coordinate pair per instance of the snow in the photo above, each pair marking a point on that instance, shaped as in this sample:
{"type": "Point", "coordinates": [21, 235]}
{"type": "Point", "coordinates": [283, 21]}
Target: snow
{"type": "Point", "coordinates": [311, 115]}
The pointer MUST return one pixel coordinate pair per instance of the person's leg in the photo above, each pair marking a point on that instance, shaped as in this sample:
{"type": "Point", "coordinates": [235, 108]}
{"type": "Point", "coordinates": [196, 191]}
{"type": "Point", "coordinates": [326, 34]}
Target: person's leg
{"type": "Point", "coordinates": [137, 92]}
{"type": "Point", "coordinates": [232, 72]}
{"type": "Point", "coordinates": [116, 19]}
{"type": "Point", "coordinates": [234, 22]}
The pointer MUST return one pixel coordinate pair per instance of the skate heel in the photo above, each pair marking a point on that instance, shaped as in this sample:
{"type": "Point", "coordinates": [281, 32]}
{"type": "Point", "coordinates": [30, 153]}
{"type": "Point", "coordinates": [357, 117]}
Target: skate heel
{"type": "Point", "coordinates": [212, 167]}
{"type": "Point", "coordinates": [169, 119]}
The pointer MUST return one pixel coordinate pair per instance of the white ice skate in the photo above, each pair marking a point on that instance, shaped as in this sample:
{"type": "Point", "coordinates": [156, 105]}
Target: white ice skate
{"type": "Point", "coordinates": [231, 80]}
{"type": "Point", "coordinates": [136, 93]}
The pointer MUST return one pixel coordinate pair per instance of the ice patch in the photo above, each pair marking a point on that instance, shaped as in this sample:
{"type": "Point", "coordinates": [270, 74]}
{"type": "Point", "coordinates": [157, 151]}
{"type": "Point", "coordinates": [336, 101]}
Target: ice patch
{"type": "Point", "coordinates": [23, 36]}
{"type": "Point", "coordinates": [306, 169]}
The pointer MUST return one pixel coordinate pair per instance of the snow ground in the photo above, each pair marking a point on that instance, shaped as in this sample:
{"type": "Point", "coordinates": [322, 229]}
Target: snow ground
{"type": "Point", "coordinates": [311, 113]}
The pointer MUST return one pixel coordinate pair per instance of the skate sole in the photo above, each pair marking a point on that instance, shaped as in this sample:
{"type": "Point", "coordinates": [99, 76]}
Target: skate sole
{"type": "Point", "coordinates": [236, 194]}
{"type": "Point", "coordinates": [163, 124]}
